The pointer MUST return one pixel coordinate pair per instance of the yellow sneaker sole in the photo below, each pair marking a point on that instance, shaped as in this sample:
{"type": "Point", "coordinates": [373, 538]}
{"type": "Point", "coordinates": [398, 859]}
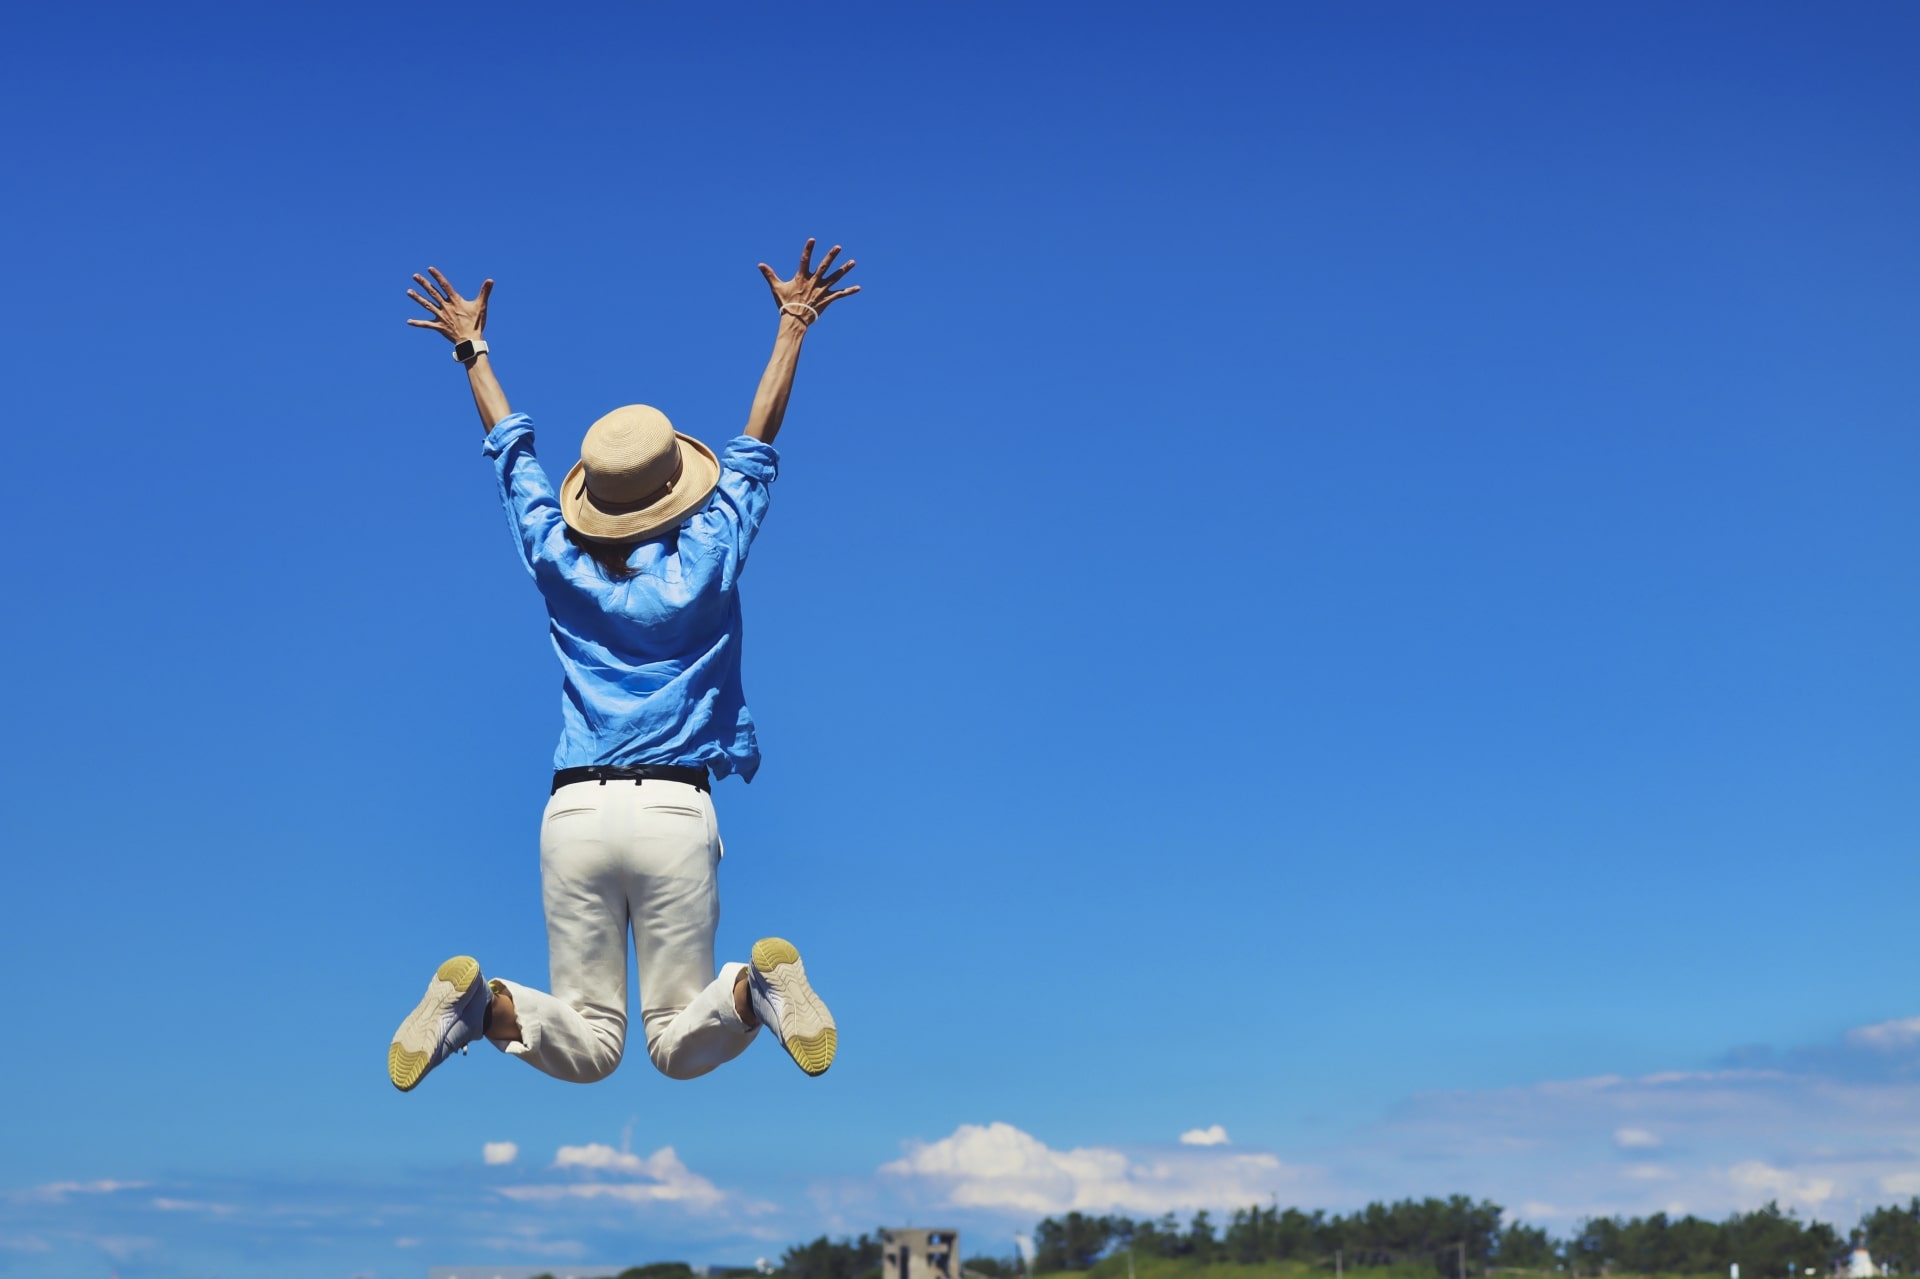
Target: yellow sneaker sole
{"type": "Point", "coordinates": [410, 1055]}
{"type": "Point", "coordinates": [806, 1027]}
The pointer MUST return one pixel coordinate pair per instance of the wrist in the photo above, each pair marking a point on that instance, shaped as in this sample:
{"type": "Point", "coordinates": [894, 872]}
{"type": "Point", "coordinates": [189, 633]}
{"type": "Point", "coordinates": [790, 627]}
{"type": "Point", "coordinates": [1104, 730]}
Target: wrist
{"type": "Point", "coordinates": [792, 326]}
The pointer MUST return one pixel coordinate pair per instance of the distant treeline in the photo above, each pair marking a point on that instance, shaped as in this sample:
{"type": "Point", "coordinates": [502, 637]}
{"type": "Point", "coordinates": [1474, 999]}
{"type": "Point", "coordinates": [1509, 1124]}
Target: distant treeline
{"type": "Point", "coordinates": [1440, 1234]}
{"type": "Point", "coordinates": [826, 1258]}
{"type": "Point", "coordinates": [1768, 1243]}
{"type": "Point", "coordinates": [1381, 1234]}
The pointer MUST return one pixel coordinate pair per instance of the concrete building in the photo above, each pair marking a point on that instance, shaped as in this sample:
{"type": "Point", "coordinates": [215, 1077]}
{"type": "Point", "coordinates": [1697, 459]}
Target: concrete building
{"type": "Point", "coordinates": [920, 1254]}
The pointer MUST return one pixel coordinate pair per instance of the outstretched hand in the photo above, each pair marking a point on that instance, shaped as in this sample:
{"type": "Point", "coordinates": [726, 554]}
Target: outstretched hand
{"type": "Point", "coordinates": [811, 290]}
{"type": "Point", "coordinates": [457, 317]}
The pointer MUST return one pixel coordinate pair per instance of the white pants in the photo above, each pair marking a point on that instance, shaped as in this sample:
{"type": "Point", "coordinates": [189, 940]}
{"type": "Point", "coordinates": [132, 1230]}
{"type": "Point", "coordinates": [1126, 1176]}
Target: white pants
{"type": "Point", "coordinates": [614, 857]}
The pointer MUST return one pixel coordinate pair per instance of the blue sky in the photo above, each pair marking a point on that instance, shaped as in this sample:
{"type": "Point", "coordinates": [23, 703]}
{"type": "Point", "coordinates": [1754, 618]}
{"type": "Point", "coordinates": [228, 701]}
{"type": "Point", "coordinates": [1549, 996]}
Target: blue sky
{"type": "Point", "coordinates": [1348, 577]}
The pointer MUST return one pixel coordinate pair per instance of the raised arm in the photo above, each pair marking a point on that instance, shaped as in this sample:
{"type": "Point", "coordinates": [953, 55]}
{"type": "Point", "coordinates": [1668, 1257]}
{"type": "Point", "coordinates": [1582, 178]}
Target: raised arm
{"type": "Point", "coordinates": [465, 320]}
{"type": "Point", "coordinates": [802, 300]}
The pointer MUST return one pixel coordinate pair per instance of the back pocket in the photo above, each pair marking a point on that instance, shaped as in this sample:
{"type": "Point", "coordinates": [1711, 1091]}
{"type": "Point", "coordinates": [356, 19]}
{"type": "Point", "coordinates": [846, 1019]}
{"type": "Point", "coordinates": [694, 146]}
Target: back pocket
{"type": "Point", "coordinates": [676, 810]}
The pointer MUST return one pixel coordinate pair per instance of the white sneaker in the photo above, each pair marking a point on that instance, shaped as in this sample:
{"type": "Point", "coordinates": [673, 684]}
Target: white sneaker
{"type": "Point", "coordinates": [452, 1014]}
{"type": "Point", "coordinates": [787, 1005]}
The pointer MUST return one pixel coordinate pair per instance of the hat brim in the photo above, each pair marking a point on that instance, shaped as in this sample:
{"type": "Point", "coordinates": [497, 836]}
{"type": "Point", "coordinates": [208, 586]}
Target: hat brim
{"type": "Point", "coordinates": [699, 473]}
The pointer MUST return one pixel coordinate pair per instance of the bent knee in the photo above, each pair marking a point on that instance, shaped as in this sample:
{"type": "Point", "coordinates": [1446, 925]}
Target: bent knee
{"type": "Point", "coordinates": [679, 1065]}
{"type": "Point", "coordinates": [593, 1070]}
{"type": "Point", "coordinates": [601, 1060]}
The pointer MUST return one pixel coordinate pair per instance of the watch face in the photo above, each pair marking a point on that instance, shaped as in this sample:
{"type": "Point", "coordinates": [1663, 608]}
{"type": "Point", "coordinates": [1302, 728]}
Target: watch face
{"type": "Point", "coordinates": [463, 350]}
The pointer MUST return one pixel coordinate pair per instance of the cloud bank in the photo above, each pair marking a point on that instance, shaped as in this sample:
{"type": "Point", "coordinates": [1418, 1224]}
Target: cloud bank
{"type": "Point", "coordinates": [1824, 1129]}
{"type": "Point", "coordinates": [655, 1179]}
{"type": "Point", "coordinates": [1817, 1128]}
{"type": "Point", "coordinates": [997, 1166]}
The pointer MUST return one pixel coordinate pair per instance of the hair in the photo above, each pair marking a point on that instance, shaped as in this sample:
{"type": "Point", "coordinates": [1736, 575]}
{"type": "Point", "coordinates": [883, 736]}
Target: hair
{"type": "Point", "coordinates": [610, 556]}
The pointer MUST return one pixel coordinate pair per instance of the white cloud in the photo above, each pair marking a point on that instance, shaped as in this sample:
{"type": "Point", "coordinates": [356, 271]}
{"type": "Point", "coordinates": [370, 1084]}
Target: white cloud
{"type": "Point", "coordinates": [406, 1241]}
{"type": "Point", "coordinates": [121, 1247]}
{"type": "Point", "coordinates": [1765, 1182]}
{"type": "Point", "coordinates": [538, 1248]}
{"type": "Point", "coordinates": [194, 1205]}
{"type": "Point", "coordinates": [499, 1152]}
{"type": "Point", "coordinates": [599, 1158]}
{"type": "Point", "coordinates": [1815, 1127]}
{"type": "Point", "coordinates": [622, 1191]}
{"type": "Point", "coordinates": [997, 1166]}
{"type": "Point", "coordinates": [25, 1243]}
{"type": "Point", "coordinates": [1214, 1136]}
{"type": "Point", "coordinates": [1886, 1036]}
{"type": "Point", "coordinates": [665, 1179]}
{"type": "Point", "coordinates": [58, 1191]}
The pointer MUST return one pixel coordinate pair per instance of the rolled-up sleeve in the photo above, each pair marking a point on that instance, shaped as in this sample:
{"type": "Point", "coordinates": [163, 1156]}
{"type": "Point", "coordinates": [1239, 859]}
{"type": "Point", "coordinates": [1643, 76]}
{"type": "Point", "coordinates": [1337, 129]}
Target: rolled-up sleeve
{"type": "Point", "coordinates": [533, 509]}
{"type": "Point", "coordinates": [731, 519]}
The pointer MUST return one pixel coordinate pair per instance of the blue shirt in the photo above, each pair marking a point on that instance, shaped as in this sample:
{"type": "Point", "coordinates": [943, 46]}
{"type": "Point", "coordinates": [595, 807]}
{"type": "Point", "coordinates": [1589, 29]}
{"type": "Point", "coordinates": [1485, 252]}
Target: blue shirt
{"type": "Point", "coordinates": [652, 664]}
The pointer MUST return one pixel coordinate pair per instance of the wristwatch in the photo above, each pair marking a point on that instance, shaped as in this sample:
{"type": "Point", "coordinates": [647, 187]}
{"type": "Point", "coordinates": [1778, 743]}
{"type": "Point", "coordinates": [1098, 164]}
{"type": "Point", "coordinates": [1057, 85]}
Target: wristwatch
{"type": "Point", "coordinates": [465, 351]}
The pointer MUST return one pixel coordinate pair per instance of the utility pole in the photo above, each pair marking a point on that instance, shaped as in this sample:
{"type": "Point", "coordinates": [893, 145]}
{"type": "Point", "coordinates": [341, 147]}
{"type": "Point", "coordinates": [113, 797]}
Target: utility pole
{"type": "Point", "coordinates": [1338, 1272]}
{"type": "Point", "coordinates": [1462, 1246]}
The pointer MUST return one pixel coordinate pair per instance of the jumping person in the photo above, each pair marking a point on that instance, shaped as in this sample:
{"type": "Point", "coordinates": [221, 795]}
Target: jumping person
{"type": "Point", "coordinates": [638, 556]}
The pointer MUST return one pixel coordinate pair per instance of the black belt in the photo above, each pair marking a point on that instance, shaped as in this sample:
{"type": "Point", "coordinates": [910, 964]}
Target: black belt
{"type": "Point", "coordinates": [604, 773]}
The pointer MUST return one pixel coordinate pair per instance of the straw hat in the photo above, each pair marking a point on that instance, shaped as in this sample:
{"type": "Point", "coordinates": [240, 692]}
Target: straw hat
{"type": "Point", "coordinates": [636, 476]}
